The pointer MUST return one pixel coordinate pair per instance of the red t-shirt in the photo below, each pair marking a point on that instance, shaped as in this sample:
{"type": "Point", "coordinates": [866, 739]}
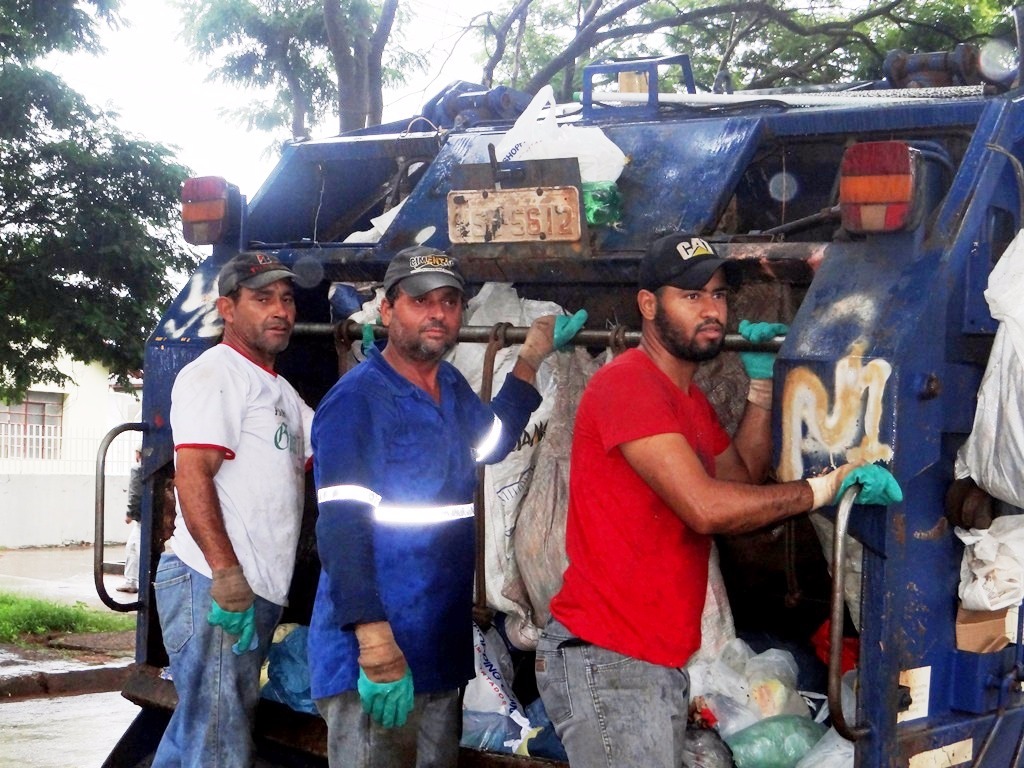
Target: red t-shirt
{"type": "Point", "coordinates": [637, 574]}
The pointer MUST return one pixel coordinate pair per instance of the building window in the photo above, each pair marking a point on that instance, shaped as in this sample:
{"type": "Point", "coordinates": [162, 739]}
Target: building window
{"type": "Point", "coordinates": [32, 428]}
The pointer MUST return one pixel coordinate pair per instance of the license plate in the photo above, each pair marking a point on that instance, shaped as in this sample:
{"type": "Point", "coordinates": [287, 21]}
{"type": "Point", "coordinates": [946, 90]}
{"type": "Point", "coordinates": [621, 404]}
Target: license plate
{"type": "Point", "coordinates": [514, 215]}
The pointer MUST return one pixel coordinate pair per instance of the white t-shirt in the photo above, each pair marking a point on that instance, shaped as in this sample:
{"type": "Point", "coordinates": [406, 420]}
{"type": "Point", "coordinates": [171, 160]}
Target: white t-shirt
{"type": "Point", "coordinates": [224, 400]}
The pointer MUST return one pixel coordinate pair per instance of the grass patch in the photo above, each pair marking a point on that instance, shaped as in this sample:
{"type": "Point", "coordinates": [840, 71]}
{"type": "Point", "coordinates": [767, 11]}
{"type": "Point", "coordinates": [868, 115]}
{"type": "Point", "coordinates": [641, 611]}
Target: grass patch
{"type": "Point", "coordinates": [20, 616]}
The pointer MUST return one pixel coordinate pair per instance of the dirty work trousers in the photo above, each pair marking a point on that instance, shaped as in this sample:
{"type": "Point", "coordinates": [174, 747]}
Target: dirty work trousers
{"type": "Point", "coordinates": [217, 689]}
{"type": "Point", "coordinates": [611, 710]}
{"type": "Point", "coordinates": [429, 738]}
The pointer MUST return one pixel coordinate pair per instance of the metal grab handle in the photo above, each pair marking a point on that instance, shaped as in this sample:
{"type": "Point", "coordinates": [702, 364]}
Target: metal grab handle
{"type": "Point", "coordinates": [618, 336]}
{"type": "Point", "coordinates": [101, 496]}
{"type": "Point", "coordinates": [482, 613]}
{"type": "Point", "coordinates": [835, 629]}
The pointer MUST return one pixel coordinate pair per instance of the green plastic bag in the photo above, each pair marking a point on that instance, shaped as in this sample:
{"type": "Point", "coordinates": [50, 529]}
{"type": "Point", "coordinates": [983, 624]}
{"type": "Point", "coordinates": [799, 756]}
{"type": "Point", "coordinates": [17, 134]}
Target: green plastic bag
{"type": "Point", "coordinates": [775, 742]}
{"type": "Point", "coordinates": [602, 203]}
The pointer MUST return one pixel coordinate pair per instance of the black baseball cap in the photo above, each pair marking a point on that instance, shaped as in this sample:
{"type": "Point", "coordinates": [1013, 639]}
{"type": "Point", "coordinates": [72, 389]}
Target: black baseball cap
{"type": "Point", "coordinates": [251, 270]}
{"type": "Point", "coordinates": [421, 269]}
{"type": "Point", "coordinates": [684, 261]}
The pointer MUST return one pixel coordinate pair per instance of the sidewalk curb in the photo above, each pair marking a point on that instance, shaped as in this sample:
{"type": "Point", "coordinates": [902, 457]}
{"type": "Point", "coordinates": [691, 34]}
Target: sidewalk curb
{"type": "Point", "coordinates": [100, 679]}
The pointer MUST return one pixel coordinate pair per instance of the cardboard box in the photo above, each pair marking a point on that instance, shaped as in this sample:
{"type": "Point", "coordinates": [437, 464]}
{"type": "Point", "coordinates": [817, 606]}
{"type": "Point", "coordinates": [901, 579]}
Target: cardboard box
{"type": "Point", "coordinates": [982, 631]}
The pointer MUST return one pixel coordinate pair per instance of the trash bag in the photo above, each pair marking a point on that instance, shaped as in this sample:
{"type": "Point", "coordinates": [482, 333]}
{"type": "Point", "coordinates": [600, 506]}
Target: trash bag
{"type": "Point", "coordinates": [506, 483]}
{"type": "Point", "coordinates": [492, 717]}
{"type": "Point", "coordinates": [545, 742]}
{"type": "Point", "coordinates": [832, 750]}
{"type": "Point", "coordinates": [536, 135]}
{"type": "Point", "coordinates": [992, 567]}
{"type": "Point", "coordinates": [288, 671]}
{"type": "Point", "coordinates": [993, 454]}
{"type": "Point", "coordinates": [705, 748]}
{"type": "Point", "coordinates": [775, 742]}
{"type": "Point", "coordinates": [538, 540]}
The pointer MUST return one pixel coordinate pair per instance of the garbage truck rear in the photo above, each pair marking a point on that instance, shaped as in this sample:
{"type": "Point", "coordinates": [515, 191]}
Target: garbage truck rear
{"type": "Point", "coordinates": [867, 217]}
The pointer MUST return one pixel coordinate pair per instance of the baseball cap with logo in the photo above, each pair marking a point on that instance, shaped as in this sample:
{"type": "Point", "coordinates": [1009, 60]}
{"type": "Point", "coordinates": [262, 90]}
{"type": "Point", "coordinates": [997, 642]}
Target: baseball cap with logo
{"type": "Point", "coordinates": [251, 270]}
{"type": "Point", "coordinates": [683, 261]}
{"type": "Point", "coordinates": [421, 269]}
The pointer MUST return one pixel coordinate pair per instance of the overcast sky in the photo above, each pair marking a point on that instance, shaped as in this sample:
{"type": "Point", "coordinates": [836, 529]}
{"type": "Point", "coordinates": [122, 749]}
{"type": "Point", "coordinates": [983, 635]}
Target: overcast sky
{"type": "Point", "coordinates": [161, 95]}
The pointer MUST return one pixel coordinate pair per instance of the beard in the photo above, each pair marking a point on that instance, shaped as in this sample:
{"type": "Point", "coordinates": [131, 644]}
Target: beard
{"type": "Point", "coordinates": [422, 350]}
{"type": "Point", "coordinates": [687, 347]}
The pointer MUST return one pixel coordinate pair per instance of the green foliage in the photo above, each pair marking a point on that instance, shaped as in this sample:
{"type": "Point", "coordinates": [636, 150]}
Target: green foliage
{"type": "Point", "coordinates": [30, 29]}
{"type": "Point", "coordinates": [763, 43]}
{"type": "Point", "coordinates": [277, 47]}
{"type": "Point", "coordinates": [88, 222]}
{"type": "Point", "coordinates": [21, 616]}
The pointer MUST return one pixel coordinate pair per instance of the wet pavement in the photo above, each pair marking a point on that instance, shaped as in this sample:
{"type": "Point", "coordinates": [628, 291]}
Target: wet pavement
{"type": "Point", "coordinates": [63, 575]}
{"type": "Point", "coordinates": [60, 732]}
{"type": "Point", "coordinates": [45, 719]}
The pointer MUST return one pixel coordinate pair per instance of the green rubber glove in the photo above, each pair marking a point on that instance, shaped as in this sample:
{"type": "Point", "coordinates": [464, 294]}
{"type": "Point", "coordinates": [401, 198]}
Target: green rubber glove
{"type": "Point", "coordinates": [389, 704]}
{"type": "Point", "coordinates": [759, 365]}
{"type": "Point", "coordinates": [240, 623]}
{"type": "Point", "coordinates": [567, 326]}
{"type": "Point", "coordinates": [367, 341]}
{"type": "Point", "coordinates": [878, 486]}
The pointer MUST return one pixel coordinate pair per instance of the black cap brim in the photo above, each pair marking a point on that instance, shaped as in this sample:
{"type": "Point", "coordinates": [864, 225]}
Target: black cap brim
{"type": "Point", "coordinates": [417, 285]}
{"type": "Point", "coordinates": [700, 269]}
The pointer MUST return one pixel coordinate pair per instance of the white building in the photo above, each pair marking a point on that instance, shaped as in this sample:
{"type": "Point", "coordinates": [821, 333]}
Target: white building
{"type": "Point", "coordinates": [48, 446]}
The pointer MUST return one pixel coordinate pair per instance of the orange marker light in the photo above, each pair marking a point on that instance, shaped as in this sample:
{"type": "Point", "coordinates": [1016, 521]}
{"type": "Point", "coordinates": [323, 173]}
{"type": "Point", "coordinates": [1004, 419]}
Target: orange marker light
{"type": "Point", "coordinates": [204, 209]}
{"type": "Point", "coordinates": [878, 187]}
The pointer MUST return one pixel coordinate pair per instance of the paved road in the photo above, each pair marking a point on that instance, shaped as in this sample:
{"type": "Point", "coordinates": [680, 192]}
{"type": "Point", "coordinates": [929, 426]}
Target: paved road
{"type": "Point", "coordinates": [75, 731]}
{"type": "Point", "coordinates": [61, 574]}
{"type": "Point", "coordinates": [66, 731]}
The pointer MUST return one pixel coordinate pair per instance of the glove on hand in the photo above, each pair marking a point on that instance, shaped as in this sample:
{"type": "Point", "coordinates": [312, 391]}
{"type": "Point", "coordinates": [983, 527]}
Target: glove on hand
{"type": "Point", "coordinates": [759, 365]}
{"type": "Point", "coordinates": [547, 334]}
{"type": "Point", "coordinates": [385, 680]}
{"type": "Point", "coordinates": [567, 326]}
{"type": "Point", "coordinates": [967, 506]}
{"type": "Point", "coordinates": [367, 338]}
{"type": "Point", "coordinates": [231, 590]}
{"type": "Point", "coordinates": [239, 623]}
{"type": "Point", "coordinates": [826, 486]}
{"type": "Point", "coordinates": [878, 486]}
{"type": "Point", "coordinates": [387, 703]}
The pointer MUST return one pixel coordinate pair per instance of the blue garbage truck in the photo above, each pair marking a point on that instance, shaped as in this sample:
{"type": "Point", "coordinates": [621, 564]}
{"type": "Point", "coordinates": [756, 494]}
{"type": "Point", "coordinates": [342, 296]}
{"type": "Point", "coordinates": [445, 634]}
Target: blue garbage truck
{"type": "Point", "coordinates": [865, 215]}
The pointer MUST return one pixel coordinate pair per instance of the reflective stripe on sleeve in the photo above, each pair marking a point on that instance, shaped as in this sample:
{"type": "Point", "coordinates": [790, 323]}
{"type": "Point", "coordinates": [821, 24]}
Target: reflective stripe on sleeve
{"type": "Point", "coordinates": [348, 493]}
{"type": "Point", "coordinates": [388, 513]}
{"type": "Point", "coordinates": [489, 443]}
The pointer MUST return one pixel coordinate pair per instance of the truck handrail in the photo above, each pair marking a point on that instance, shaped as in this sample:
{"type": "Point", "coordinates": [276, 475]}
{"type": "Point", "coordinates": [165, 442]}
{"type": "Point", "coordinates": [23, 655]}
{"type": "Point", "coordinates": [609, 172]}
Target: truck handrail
{"type": "Point", "coordinates": [98, 535]}
{"type": "Point", "coordinates": [619, 336]}
{"type": "Point", "coordinates": [835, 633]}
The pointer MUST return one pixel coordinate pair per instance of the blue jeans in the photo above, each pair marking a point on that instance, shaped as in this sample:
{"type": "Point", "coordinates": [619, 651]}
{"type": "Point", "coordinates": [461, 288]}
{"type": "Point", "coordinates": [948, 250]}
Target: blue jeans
{"type": "Point", "coordinates": [429, 738]}
{"type": "Point", "coordinates": [611, 710]}
{"type": "Point", "coordinates": [217, 690]}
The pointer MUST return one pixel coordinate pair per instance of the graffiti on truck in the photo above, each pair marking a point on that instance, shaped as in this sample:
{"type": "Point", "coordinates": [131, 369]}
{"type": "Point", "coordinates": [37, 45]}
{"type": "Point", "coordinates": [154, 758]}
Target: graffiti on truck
{"type": "Point", "coordinates": [196, 315]}
{"type": "Point", "coordinates": [844, 426]}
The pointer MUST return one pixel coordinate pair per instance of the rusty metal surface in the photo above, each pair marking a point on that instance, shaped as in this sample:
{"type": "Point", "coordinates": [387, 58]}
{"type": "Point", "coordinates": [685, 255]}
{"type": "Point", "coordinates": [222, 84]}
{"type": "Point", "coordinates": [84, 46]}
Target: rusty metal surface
{"type": "Point", "coordinates": [547, 214]}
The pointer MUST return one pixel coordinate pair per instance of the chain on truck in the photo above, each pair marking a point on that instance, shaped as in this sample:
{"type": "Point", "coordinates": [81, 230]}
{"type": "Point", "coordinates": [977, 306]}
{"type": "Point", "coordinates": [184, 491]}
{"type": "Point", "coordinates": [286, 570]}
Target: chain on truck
{"type": "Point", "coordinates": [867, 216]}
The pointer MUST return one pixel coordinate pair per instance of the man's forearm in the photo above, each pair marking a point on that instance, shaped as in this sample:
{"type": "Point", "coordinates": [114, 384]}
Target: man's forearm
{"type": "Point", "coordinates": [753, 441]}
{"type": "Point", "coordinates": [200, 507]}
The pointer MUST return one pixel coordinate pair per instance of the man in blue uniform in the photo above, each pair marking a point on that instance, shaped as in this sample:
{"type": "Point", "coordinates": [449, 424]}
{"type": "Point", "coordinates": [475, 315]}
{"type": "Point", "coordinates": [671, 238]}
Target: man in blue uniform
{"type": "Point", "coordinates": [396, 446]}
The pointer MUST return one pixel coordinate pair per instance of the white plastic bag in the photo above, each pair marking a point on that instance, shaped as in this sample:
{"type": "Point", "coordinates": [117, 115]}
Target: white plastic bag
{"type": "Point", "coordinates": [537, 136]}
{"type": "Point", "coordinates": [491, 689]}
{"type": "Point", "coordinates": [992, 568]}
{"type": "Point", "coordinates": [505, 483]}
{"type": "Point", "coordinates": [492, 717]}
{"type": "Point", "coordinates": [993, 454]}
{"type": "Point", "coordinates": [531, 128]}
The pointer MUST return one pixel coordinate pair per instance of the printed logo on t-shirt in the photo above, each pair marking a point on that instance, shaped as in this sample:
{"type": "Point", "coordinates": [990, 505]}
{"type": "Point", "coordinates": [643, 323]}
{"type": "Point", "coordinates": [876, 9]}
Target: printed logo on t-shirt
{"type": "Point", "coordinates": [285, 440]}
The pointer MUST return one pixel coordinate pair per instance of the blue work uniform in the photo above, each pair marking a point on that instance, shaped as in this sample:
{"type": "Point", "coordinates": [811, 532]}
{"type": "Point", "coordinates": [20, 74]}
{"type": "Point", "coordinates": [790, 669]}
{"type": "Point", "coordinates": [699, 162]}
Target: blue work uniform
{"type": "Point", "coordinates": [395, 475]}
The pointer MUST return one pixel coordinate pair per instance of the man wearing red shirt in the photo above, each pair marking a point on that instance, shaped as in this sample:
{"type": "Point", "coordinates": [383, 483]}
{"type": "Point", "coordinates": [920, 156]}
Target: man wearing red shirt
{"type": "Point", "coordinates": [653, 475]}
